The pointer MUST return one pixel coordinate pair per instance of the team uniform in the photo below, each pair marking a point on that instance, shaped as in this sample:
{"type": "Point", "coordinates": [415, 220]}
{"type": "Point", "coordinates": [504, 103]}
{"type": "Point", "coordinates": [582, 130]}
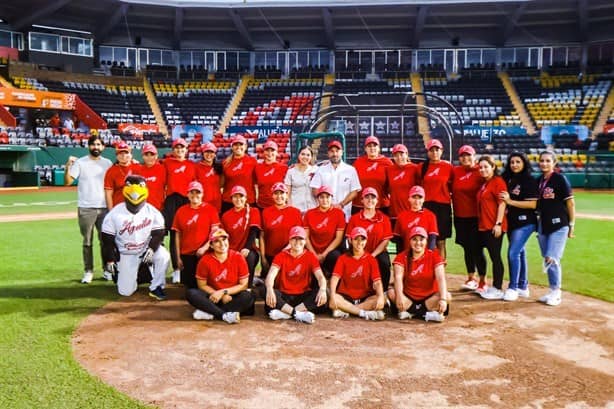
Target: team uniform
{"type": "Point", "coordinates": [209, 177]}
{"type": "Point", "coordinates": [155, 176]}
{"type": "Point", "coordinates": [323, 227]}
{"type": "Point", "coordinates": [436, 182]}
{"type": "Point", "coordinates": [266, 175]}
{"type": "Point", "coordinates": [115, 178]}
{"type": "Point", "coordinates": [399, 180]}
{"type": "Point", "coordinates": [356, 277]}
{"type": "Point", "coordinates": [409, 219]}
{"type": "Point", "coordinates": [276, 225]}
{"type": "Point", "coordinates": [372, 173]}
{"type": "Point", "coordinates": [243, 229]}
{"type": "Point", "coordinates": [240, 172]}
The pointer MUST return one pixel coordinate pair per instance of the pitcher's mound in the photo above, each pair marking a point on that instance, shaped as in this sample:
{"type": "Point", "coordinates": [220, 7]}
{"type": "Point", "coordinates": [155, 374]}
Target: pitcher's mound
{"type": "Point", "coordinates": [487, 354]}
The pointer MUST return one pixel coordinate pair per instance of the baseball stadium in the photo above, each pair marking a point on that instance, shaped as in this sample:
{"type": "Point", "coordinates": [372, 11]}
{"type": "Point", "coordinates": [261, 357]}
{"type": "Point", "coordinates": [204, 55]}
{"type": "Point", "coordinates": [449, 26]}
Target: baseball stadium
{"type": "Point", "coordinates": [306, 204]}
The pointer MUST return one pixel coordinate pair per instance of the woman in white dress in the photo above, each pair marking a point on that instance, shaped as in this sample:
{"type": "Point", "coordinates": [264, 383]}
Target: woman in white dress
{"type": "Point", "coordinates": [297, 179]}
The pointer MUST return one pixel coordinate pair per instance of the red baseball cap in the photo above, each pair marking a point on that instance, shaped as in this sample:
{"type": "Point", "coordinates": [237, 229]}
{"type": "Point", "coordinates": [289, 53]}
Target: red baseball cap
{"type": "Point", "coordinates": [399, 148]}
{"type": "Point", "coordinates": [335, 144]}
{"type": "Point", "coordinates": [238, 190]}
{"type": "Point", "coordinates": [122, 147]}
{"type": "Point", "coordinates": [324, 189]}
{"type": "Point", "coordinates": [279, 187]}
{"type": "Point", "coordinates": [179, 141]}
{"type": "Point", "coordinates": [432, 143]}
{"type": "Point", "coordinates": [416, 191]}
{"type": "Point", "coordinates": [239, 139]}
{"type": "Point", "coordinates": [297, 231]}
{"type": "Point", "coordinates": [149, 148]}
{"type": "Point", "coordinates": [358, 231]}
{"type": "Point", "coordinates": [194, 185]}
{"type": "Point", "coordinates": [466, 149]}
{"type": "Point", "coordinates": [208, 147]}
{"type": "Point", "coordinates": [369, 191]}
{"type": "Point", "coordinates": [418, 231]}
{"type": "Point", "coordinates": [372, 139]}
{"type": "Point", "coordinates": [269, 144]}
{"type": "Point", "coordinates": [218, 233]}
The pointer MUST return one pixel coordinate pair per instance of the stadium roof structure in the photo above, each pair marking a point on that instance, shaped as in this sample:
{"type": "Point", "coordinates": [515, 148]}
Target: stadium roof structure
{"type": "Point", "coordinates": [335, 24]}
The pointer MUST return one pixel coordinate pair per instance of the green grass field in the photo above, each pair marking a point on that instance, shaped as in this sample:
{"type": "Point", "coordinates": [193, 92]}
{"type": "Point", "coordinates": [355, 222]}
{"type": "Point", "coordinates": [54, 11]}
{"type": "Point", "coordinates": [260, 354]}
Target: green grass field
{"type": "Point", "coordinates": [42, 301]}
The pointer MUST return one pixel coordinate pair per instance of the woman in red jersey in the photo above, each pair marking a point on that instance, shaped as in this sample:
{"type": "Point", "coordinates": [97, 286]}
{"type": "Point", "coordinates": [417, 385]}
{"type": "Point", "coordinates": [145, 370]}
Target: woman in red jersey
{"type": "Point", "coordinates": [400, 177]}
{"type": "Point", "coordinates": [179, 173]}
{"type": "Point", "coordinates": [436, 179]}
{"type": "Point", "coordinates": [371, 169]}
{"type": "Point", "coordinates": [420, 288]}
{"type": "Point", "coordinates": [242, 223]}
{"type": "Point", "coordinates": [289, 284]}
{"type": "Point", "coordinates": [222, 283]}
{"type": "Point", "coordinates": [209, 174]}
{"type": "Point", "coordinates": [115, 178]}
{"type": "Point", "coordinates": [325, 225]}
{"type": "Point", "coordinates": [466, 181]}
{"type": "Point", "coordinates": [356, 287]}
{"type": "Point", "coordinates": [238, 170]}
{"type": "Point", "coordinates": [417, 215]}
{"type": "Point", "coordinates": [191, 228]}
{"type": "Point", "coordinates": [277, 220]}
{"type": "Point", "coordinates": [155, 176]}
{"type": "Point", "coordinates": [268, 173]}
{"type": "Point", "coordinates": [377, 224]}
{"type": "Point", "coordinates": [492, 224]}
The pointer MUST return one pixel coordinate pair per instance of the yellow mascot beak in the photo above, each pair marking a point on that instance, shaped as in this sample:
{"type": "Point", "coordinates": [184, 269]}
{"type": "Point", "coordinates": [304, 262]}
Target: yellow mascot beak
{"type": "Point", "coordinates": [135, 190]}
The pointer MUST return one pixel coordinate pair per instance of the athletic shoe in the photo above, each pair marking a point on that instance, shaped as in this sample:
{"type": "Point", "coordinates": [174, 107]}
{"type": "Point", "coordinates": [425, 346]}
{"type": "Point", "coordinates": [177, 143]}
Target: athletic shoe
{"type": "Point", "coordinates": [554, 298]}
{"type": "Point", "coordinates": [176, 277]}
{"type": "Point", "coordinates": [232, 317]}
{"type": "Point", "coordinates": [107, 276]}
{"type": "Point", "coordinates": [470, 285]}
{"type": "Point", "coordinates": [340, 314]}
{"type": "Point", "coordinates": [279, 315]}
{"type": "Point", "coordinates": [158, 293]}
{"type": "Point", "coordinates": [545, 297]}
{"type": "Point", "coordinates": [371, 316]}
{"type": "Point", "coordinates": [404, 315]}
{"type": "Point", "coordinates": [433, 316]}
{"type": "Point", "coordinates": [201, 315]}
{"type": "Point", "coordinates": [524, 293]}
{"type": "Point", "coordinates": [305, 316]}
{"type": "Point", "coordinates": [380, 315]}
{"type": "Point", "coordinates": [492, 294]}
{"type": "Point", "coordinates": [510, 295]}
{"type": "Point", "coordinates": [482, 287]}
{"type": "Point", "coordinates": [88, 276]}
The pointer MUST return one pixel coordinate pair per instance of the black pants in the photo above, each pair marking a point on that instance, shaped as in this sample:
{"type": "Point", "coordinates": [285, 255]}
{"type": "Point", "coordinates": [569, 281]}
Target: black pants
{"type": "Point", "coordinates": [383, 262]}
{"type": "Point", "coordinates": [493, 245]}
{"type": "Point", "coordinates": [188, 274]}
{"type": "Point", "coordinates": [252, 260]}
{"type": "Point", "coordinates": [467, 235]}
{"type": "Point", "coordinates": [308, 299]}
{"type": "Point", "coordinates": [242, 302]}
{"type": "Point", "coordinates": [171, 204]}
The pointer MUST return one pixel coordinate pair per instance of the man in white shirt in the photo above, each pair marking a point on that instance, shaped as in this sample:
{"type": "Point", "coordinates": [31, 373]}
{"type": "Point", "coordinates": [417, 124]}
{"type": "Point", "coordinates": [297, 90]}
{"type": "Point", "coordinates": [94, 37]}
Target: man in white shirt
{"type": "Point", "coordinates": [92, 207]}
{"type": "Point", "coordinates": [340, 177]}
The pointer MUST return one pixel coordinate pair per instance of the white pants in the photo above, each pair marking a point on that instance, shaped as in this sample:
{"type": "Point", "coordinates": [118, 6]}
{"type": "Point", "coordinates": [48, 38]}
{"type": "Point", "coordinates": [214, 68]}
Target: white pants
{"type": "Point", "coordinates": [128, 267]}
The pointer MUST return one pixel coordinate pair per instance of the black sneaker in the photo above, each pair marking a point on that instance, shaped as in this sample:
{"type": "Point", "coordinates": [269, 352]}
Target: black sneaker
{"type": "Point", "coordinates": [158, 293]}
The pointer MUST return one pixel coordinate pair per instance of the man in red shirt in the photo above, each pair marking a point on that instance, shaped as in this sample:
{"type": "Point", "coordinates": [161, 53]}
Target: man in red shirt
{"type": "Point", "coordinates": [155, 176]}
{"type": "Point", "coordinates": [416, 216]}
{"type": "Point", "coordinates": [115, 178]}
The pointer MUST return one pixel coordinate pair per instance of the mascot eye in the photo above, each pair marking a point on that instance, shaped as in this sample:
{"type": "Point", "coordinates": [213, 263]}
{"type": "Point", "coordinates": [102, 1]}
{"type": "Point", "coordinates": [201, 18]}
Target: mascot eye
{"type": "Point", "coordinates": [128, 183]}
{"type": "Point", "coordinates": [142, 184]}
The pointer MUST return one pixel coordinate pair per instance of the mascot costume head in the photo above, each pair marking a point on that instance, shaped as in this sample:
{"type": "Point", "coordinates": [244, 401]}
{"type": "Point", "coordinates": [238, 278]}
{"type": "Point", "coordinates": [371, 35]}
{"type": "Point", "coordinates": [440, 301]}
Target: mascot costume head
{"type": "Point", "coordinates": [135, 193]}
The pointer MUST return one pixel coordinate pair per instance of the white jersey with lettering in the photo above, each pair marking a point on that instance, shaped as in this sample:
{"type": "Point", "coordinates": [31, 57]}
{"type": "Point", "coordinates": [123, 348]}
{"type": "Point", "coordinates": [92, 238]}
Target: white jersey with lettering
{"type": "Point", "coordinates": [132, 231]}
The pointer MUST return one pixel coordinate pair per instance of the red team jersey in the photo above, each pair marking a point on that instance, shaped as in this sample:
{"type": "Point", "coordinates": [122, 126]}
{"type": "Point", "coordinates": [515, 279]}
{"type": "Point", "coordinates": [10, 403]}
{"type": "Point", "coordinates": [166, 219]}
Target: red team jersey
{"type": "Point", "coordinates": [356, 276]}
{"type": "Point", "coordinates": [210, 179]}
{"type": "Point", "coordinates": [323, 226]}
{"type": "Point", "coordinates": [295, 273]}
{"type": "Point", "coordinates": [378, 228]}
{"type": "Point", "coordinates": [266, 176]}
{"type": "Point", "coordinates": [237, 225]}
{"type": "Point", "coordinates": [220, 275]}
{"type": "Point", "coordinates": [419, 279]}
{"type": "Point", "coordinates": [372, 173]}
{"type": "Point", "coordinates": [115, 178]}
{"type": "Point", "coordinates": [194, 226]}
{"type": "Point", "coordinates": [488, 201]}
{"type": "Point", "coordinates": [276, 224]}
{"type": "Point", "coordinates": [240, 172]}
{"type": "Point", "coordinates": [399, 180]}
{"type": "Point", "coordinates": [155, 176]}
{"type": "Point", "coordinates": [465, 186]}
{"type": "Point", "coordinates": [179, 174]}
{"type": "Point", "coordinates": [410, 219]}
{"type": "Point", "coordinates": [436, 182]}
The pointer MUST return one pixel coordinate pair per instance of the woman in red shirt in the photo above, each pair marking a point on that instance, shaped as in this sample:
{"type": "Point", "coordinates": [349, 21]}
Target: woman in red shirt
{"type": "Point", "coordinates": [115, 178]}
{"type": "Point", "coordinates": [377, 224]}
{"type": "Point", "coordinates": [242, 222]}
{"type": "Point", "coordinates": [436, 180]}
{"type": "Point", "coordinates": [492, 224]}
{"type": "Point", "coordinates": [356, 287]}
{"type": "Point", "coordinates": [238, 169]}
{"type": "Point", "coordinates": [415, 216]}
{"type": "Point", "coordinates": [222, 283]}
{"type": "Point", "coordinates": [420, 288]}
{"type": "Point", "coordinates": [289, 291]}
{"type": "Point", "coordinates": [371, 170]}
{"type": "Point", "coordinates": [466, 181]}
{"type": "Point", "coordinates": [325, 225]}
{"type": "Point", "coordinates": [191, 227]}
{"type": "Point", "coordinates": [277, 220]}
{"type": "Point", "coordinates": [155, 176]}
{"type": "Point", "coordinates": [209, 174]}
{"type": "Point", "coordinates": [400, 177]}
{"type": "Point", "coordinates": [268, 173]}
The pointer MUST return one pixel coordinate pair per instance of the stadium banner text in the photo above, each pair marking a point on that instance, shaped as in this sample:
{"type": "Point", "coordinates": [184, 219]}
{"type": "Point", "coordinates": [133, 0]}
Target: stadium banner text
{"type": "Point", "coordinates": [549, 130]}
{"type": "Point", "coordinates": [37, 99]}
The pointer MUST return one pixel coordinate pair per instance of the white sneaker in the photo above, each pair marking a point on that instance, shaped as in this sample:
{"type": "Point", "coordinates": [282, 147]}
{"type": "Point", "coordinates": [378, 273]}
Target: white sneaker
{"type": "Point", "coordinates": [404, 315]}
{"type": "Point", "coordinates": [176, 277]}
{"type": "Point", "coordinates": [107, 276]}
{"type": "Point", "coordinates": [232, 317]}
{"type": "Point", "coordinates": [545, 297]}
{"type": "Point", "coordinates": [433, 316]}
{"type": "Point", "coordinates": [380, 315]}
{"type": "Point", "coordinates": [510, 295]}
{"type": "Point", "coordinates": [279, 315]}
{"type": "Point", "coordinates": [88, 276]}
{"type": "Point", "coordinates": [340, 314]}
{"type": "Point", "coordinates": [554, 299]}
{"type": "Point", "coordinates": [470, 285]}
{"type": "Point", "coordinates": [524, 293]}
{"type": "Point", "coordinates": [492, 293]}
{"type": "Point", "coordinates": [305, 316]}
{"type": "Point", "coordinates": [201, 315]}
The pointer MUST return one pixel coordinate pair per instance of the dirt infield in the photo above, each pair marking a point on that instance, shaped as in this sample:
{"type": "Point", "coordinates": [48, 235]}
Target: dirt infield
{"type": "Point", "coordinates": [487, 354]}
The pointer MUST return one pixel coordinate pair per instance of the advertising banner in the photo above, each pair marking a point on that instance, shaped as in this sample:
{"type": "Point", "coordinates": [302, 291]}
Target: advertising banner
{"type": "Point", "coordinates": [548, 131]}
{"type": "Point", "coordinates": [28, 98]}
{"type": "Point", "coordinates": [486, 133]}
{"type": "Point", "coordinates": [191, 130]}
{"type": "Point", "coordinates": [137, 129]}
